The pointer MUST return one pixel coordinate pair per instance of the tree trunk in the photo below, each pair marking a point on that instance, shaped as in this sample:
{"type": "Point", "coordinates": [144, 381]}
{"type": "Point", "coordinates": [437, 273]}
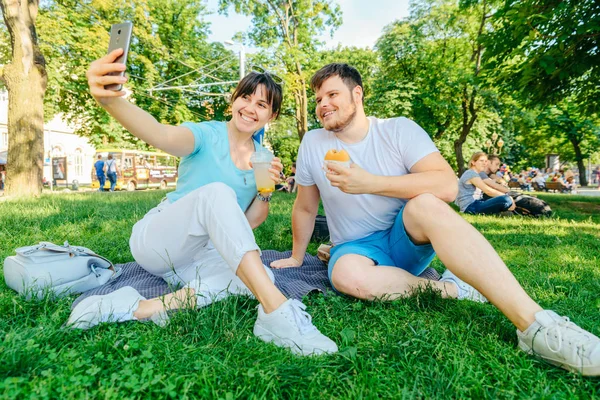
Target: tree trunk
{"type": "Point", "coordinates": [469, 116]}
{"type": "Point", "coordinates": [302, 107]}
{"type": "Point", "coordinates": [25, 78]}
{"type": "Point", "coordinates": [579, 158]}
{"type": "Point", "coordinates": [468, 103]}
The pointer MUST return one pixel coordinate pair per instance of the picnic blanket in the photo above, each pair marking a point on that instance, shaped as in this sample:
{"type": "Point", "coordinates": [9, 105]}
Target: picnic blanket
{"type": "Point", "coordinates": [294, 283]}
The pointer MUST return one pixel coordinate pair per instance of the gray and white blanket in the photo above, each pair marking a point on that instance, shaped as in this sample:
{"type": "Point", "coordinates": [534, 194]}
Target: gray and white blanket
{"type": "Point", "coordinates": [293, 282]}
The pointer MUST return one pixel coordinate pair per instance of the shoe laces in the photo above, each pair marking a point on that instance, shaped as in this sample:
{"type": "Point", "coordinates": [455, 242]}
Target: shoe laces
{"type": "Point", "coordinates": [574, 334]}
{"type": "Point", "coordinates": [302, 318]}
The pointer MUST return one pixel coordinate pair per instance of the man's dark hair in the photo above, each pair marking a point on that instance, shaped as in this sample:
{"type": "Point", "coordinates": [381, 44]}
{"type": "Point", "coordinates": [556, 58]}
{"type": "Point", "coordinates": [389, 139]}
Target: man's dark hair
{"type": "Point", "coordinates": [99, 156]}
{"type": "Point", "coordinates": [347, 73]}
{"type": "Point", "coordinates": [248, 85]}
{"type": "Point", "coordinates": [493, 157]}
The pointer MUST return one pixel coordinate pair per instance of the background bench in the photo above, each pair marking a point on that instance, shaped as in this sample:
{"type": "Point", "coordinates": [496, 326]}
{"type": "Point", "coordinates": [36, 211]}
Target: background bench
{"type": "Point", "coordinates": [556, 187]}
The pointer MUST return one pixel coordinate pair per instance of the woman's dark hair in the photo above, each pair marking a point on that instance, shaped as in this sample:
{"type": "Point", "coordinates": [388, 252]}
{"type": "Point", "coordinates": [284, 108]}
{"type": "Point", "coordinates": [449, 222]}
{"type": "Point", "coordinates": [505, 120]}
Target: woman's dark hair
{"type": "Point", "coordinates": [248, 85]}
{"type": "Point", "coordinates": [347, 73]}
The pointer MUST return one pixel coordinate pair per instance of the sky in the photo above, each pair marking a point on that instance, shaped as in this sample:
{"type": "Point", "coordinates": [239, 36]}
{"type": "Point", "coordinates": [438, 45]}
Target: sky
{"type": "Point", "coordinates": [363, 22]}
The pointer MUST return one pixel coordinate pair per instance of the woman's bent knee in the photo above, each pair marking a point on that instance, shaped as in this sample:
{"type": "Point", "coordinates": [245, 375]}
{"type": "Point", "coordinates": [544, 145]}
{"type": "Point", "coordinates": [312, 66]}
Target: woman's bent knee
{"type": "Point", "coordinates": [216, 189]}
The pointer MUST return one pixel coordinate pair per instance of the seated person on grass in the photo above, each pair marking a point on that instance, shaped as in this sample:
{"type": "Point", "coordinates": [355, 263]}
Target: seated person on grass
{"type": "Point", "coordinates": [200, 236]}
{"type": "Point", "coordinates": [489, 177]}
{"type": "Point", "coordinates": [471, 189]}
{"type": "Point", "coordinates": [388, 218]}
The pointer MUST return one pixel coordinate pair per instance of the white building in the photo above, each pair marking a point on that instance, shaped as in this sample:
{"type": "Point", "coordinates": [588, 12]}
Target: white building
{"type": "Point", "coordinates": [59, 141]}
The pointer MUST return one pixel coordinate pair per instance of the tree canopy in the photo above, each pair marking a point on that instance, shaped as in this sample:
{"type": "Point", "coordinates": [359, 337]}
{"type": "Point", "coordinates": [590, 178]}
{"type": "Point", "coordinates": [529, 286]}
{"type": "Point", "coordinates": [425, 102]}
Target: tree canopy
{"type": "Point", "coordinates": [522, 70]}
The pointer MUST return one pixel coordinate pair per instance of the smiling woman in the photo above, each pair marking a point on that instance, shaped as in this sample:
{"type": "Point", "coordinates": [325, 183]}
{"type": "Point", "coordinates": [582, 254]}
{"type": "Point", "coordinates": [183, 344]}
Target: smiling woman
{"type": "Point", "coordinates": [200, 237]}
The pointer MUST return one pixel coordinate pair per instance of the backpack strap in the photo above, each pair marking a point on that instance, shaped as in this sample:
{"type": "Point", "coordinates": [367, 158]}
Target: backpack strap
{"type": "Point", "coordinates": [74, 251]}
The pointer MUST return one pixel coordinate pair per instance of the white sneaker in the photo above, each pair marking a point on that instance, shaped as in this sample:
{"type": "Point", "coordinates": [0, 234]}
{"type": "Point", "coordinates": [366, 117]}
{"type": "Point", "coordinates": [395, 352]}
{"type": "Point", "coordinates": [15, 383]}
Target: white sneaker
{"type": "Point", "coordinates": [291, 327]}
{"type": "Point", "coordinates": [117, 306]}
{"type": "Point", "coordinates": [465, 291]}
{"type": "Point", "coordinates": [560, 342]}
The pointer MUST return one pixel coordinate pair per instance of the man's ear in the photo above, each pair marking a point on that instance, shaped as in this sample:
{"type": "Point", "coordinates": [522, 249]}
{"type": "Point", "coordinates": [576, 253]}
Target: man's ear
{"type": "Point", "coordinates": [273, 117]}
{"type": "Point", "coordinates": [357, 94]}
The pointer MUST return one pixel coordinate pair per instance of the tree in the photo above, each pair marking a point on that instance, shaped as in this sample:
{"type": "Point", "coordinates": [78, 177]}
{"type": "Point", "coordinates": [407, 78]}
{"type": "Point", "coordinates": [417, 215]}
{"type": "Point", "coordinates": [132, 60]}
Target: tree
{"type": "Point", "coordinates": [169, 44]}
{"type": "Point", "coordinates": [433, 65]}
{"type": "Point", "coordinates": [547, 50]}
{"type": "Point", "coordinates": [567, 121]}
{"type": "Point", "coordinates": [289, 30]}
{"type": "Point", "coordinates": [25, 78]}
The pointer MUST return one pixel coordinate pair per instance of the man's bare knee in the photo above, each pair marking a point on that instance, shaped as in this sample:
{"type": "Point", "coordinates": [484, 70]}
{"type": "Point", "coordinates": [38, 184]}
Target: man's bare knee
{"type": "Point", "coordinates": [425, 208]}
{"type": "Point", "coordinates": [349, 276]}
{"type": "Point", "coordinates": [423, 213]}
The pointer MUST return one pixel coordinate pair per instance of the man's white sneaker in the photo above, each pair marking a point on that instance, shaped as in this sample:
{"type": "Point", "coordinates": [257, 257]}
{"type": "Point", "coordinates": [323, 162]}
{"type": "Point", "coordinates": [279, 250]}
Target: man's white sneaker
{"type": "Point", "coordinates": [291, 326]}
{"type": "Point", "coordinates": [560, 342]}
{"type": "Point", "coordinates": [465, 291]}
{"type": "Point", "coordinates": [117, 306]}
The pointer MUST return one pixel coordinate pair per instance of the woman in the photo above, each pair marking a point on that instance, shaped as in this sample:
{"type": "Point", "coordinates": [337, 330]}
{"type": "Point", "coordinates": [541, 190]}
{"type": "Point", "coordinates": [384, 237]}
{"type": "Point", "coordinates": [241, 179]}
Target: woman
{"type": "Point", "coordinates": [201, 236]}
{"type": "Point", "coordinates": [471, 187]}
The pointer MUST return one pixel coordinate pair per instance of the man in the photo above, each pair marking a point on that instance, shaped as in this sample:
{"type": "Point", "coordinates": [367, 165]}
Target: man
{"type": "Point", "coordinates": [491, 168]}
{"type": "Point", "coordinates": [99, 167]}
{"type": "Point", "coordinates": [382, 241]}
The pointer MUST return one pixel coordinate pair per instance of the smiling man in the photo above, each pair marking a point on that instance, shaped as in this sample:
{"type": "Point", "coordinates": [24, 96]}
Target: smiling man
{"type": "Point", "coordinates": [388, 218]}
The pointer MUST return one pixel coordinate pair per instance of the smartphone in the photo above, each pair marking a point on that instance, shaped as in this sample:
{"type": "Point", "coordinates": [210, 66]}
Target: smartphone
{"type": "Point", "coordinates": [120, 37]}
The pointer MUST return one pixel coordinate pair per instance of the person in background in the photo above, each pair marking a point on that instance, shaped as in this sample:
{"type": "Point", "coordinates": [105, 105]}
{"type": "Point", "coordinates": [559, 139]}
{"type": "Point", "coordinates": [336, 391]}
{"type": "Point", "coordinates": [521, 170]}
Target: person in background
{"type": "Point", "coordinates": [99, 167]}
{"type": "Point", "coordinates": [596, 176]}
{"type": "Point", "coordinates": [291, 180]}
{"type": "Point", "coordinates": [471, 189]}
{"type": "Point", "coordinates": [490, 177]}
{"type": "Point", "coordinates": [540, 181]}
{"type": "Point", "coordinates": [112, 170]}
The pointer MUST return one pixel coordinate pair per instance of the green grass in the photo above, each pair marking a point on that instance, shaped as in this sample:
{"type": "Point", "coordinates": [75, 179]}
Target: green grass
{"type": "Point", "coordinates": [419, 347]}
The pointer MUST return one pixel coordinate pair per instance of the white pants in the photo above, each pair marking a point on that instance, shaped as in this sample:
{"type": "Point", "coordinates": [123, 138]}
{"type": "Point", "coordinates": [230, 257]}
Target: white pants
{"type": "Point", "coordinates": [202, 236]}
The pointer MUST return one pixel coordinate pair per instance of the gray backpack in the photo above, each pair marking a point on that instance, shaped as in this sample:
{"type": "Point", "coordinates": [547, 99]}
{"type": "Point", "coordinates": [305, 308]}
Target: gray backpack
{"type": "Point", "coordinates": [58, 270]}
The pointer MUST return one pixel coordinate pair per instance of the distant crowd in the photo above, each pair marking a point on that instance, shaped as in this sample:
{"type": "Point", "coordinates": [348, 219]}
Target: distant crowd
{"type": "Point", "coordinates": [536, 179]}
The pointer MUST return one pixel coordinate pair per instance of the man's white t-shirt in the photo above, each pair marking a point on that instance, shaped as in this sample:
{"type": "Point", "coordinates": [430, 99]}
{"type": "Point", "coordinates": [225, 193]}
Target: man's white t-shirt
{"type": "Point", "coordinates": [391, 148]}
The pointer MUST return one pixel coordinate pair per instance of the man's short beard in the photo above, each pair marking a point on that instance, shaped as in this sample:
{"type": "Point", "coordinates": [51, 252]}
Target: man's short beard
{"type": "Point", "coordinates": [341, 125]}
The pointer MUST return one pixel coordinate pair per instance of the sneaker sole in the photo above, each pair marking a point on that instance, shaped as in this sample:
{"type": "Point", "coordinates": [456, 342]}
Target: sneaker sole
{"type": "Point", "coordinates": [269, 337]}
{"type": "Point", "coordinates": [585, 371]}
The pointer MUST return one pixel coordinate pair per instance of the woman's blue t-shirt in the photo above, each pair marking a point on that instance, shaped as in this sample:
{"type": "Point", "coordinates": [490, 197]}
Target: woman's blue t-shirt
{"type": "Point", "coordinates": [211, 162]}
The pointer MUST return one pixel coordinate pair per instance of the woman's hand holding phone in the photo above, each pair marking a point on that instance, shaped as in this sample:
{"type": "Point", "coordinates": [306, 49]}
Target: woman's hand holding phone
{"type": "Point", "coordinates": [99, 75]}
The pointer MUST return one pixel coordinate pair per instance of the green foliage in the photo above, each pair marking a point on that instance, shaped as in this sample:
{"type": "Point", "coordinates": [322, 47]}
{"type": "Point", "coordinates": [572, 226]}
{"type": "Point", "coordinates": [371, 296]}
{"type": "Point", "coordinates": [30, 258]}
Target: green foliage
{"type": "Point", "coordinates": [288, 32]}
{"type": "Point", "coordinates": [285, 143]}
{"type": "Point", "coordinates": [538, 70]}
{"type": "Point", "coordinates": [5, 50]}
{"type": "Point", "coordinates": [547, 50]}
{"type": "Point", "coordinates": [432, 75]}
{"type": "Point", "coordinates": [169, 40]}
{"type": "Point", "coordinates": [419, 347]}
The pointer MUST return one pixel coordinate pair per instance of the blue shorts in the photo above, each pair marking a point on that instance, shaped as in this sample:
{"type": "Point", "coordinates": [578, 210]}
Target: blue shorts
{"type": "Point", "coordinates": [391, 247]}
